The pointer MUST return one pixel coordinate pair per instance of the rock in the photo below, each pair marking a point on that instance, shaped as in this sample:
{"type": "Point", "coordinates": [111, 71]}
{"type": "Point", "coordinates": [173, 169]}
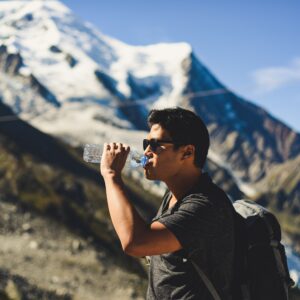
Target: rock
{"type": "Point", "coordinates": [33, 245]}
{"type": "Point", "coordinates": [55, 49]}
{"type": "Point", "coordinates": [27, 216]}
{"type": "Point", "coordinates": [13, 291]}
{"type": "Point", "coordinates": [55, 279]}
{"type": "Point", "coordinates": [26, 235]}
{"type": "Point", "coordinates": [6, 217]}
{"type": "Point", "coordinates": [71, 60]}
{"type": "Point", "coordinates": [26, 227]}
{"type": "Point", "coordinates": [14, 287]}
{"type": "Point", "coordinates": [62, 292]}
{"type": "Point", "coordinates": [76, 245]}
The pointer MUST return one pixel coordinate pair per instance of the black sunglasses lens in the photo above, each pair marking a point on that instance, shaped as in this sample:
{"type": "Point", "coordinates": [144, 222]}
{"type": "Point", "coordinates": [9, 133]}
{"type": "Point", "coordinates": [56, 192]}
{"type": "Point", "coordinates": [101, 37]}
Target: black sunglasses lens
{"type": "Point", "coordinates": [145, 144]}
{"type": "Point", "coordinates": [153, 144]}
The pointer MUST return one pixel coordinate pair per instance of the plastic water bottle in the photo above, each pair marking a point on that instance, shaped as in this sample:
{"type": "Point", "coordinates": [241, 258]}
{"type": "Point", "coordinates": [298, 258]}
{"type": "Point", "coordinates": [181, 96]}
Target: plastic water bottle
{"type": "Point", "coordinates": [92, 154]}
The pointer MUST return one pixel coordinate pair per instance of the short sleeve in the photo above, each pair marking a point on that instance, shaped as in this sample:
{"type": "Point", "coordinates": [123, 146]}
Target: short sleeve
{"type": "Point", "coordinates": [194, 222]}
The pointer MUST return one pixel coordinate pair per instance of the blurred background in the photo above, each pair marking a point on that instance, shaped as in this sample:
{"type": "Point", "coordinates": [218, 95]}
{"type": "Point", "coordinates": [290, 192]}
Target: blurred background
{"type": "Point", "coordinates": [74, 72]}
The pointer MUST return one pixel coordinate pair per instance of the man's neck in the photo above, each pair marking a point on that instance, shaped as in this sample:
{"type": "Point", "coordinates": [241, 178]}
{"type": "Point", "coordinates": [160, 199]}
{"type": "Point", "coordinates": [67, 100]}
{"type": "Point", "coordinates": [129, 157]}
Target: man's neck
{"type": "Point", "coordinates": [181, 185]}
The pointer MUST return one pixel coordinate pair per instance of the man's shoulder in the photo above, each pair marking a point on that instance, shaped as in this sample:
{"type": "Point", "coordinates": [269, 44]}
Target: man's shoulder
{"type": "Point", "coordinates": [210, 202]}
{"type": "Point", "coordinates": [210, 196]}
{"type": "Point", "coordinates": [199, 199]}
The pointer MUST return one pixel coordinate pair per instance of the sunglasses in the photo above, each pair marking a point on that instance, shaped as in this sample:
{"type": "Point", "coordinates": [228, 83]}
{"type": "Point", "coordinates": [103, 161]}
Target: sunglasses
{"type": "Point", "coordinates": [154, 143]}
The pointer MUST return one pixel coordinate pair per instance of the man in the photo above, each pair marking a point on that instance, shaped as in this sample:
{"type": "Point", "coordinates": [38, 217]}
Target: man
{"type": "Point", "coordinates": [194, 225]}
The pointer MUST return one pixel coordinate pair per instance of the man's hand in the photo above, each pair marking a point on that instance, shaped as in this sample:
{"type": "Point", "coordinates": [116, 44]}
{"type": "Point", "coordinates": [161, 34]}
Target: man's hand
{"type": "Point", "coordinates": [113, 159]}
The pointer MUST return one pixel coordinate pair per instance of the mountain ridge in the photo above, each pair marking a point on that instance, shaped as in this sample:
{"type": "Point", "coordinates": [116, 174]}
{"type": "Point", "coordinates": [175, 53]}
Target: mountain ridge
{"type": "Point", "coordinates": [109, 87]}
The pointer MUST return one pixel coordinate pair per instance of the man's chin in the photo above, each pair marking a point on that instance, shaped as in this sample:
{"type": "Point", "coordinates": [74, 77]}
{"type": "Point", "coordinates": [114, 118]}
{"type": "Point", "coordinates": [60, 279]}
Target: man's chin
{"type": "Point", "coordinates": [148, 175]}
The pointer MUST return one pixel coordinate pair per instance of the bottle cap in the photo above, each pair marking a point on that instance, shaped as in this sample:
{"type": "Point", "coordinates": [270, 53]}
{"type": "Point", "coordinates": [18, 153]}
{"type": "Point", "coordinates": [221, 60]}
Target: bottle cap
{"type": "Point", "coordinates": [144, 160]}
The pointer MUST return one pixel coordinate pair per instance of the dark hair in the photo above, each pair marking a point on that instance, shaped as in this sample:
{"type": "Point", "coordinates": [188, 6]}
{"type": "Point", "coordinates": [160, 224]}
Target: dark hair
{"type": "Point", "coordinates": [185, 128]}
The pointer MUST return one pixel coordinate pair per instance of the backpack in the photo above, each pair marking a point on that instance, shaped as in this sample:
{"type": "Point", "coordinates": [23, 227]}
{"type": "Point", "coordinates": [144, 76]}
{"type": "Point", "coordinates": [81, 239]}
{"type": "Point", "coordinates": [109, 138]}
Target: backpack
{"type": "Point", "coordinates": [261, 265]}
{"type": "Point", "coordinates": [260, 271]}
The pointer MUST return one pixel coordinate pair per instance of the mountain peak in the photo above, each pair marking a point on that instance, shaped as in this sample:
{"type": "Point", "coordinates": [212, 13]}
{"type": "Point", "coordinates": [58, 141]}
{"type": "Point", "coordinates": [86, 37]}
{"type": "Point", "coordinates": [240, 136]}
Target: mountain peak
{"type": "Point", "coordinates": [61, 50]}
{"type": "Point", "coordinates": [33, 5]}
{"type": "Point", "coordinates": [182, 49]}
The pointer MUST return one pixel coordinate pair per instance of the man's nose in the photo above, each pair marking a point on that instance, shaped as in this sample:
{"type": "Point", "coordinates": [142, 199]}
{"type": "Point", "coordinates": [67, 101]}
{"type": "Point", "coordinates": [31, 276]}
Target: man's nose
{"type": "Point", "coordinates": [148, 152]}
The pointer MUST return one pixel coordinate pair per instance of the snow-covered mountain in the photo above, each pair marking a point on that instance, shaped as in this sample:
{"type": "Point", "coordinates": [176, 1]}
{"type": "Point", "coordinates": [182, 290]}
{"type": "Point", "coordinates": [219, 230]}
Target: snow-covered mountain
{"type": "Point", "coordinates": [68, 79]}
{"type": "Point", "coordinates": [64, 70]}
{"type": "Point", "coordinates": [75, 62]}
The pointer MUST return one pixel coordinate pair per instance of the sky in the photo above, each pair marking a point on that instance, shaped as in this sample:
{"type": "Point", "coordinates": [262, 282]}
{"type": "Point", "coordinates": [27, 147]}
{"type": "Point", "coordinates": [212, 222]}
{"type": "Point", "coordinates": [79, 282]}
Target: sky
{"type": "Point", "coordinates": [252, 47]}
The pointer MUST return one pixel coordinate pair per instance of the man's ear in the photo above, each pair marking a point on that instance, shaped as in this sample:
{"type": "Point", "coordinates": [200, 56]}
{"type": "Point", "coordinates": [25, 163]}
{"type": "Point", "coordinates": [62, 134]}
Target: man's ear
{"type": "Point", "coordinates": [189, 150]}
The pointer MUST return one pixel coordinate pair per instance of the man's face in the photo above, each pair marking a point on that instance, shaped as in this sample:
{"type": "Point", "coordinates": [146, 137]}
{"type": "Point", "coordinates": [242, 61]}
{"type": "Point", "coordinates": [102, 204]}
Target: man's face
{"type": "Point", "coordinates": [164, 162]}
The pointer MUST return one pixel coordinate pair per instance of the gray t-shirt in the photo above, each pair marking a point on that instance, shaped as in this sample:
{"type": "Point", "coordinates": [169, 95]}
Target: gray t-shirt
{"type": "Point", "coordinates": [203, 223]}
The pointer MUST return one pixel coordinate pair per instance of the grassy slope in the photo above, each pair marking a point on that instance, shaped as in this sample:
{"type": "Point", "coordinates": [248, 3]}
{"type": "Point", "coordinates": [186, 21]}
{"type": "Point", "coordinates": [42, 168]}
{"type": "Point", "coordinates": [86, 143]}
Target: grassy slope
{"type": "Point", "coordinates": [281, 193]}
{"type": "Point", "coordinates": [50, 177]}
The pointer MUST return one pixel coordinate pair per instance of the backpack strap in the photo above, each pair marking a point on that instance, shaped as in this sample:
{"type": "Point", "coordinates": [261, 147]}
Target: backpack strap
{"type": "Point", "coordinates": [207, 282]}
{"type": "Point", "coordinates": [241, 283]}
{"type": "Point", "coordinates": [275, 246]}
{"type": "Point", "coordinates": [245, 292]}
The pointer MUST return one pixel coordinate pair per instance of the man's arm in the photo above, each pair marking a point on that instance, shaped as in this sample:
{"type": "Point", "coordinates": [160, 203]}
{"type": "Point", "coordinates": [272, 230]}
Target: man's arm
{"type": "Point", "coordinates": [137, 238]}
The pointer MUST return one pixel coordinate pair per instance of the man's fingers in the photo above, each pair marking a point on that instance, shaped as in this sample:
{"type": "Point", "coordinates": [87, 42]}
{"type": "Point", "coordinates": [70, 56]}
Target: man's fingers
{"type": "Point", "coordinates": [116, 146]}
{"type": "Point", "coordinates": [123, 147]}
{"type": "Point", "coordinates": [112, 146]}
{"type": "Point", "coordinates": [106, 146]}
{"type": "Point", "coordinates": [126, 148]}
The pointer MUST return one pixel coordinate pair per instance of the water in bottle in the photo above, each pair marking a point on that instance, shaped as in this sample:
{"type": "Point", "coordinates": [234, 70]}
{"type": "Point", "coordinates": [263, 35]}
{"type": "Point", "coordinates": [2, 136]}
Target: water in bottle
{"type": "Point", "coordinates": [92, 154]}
